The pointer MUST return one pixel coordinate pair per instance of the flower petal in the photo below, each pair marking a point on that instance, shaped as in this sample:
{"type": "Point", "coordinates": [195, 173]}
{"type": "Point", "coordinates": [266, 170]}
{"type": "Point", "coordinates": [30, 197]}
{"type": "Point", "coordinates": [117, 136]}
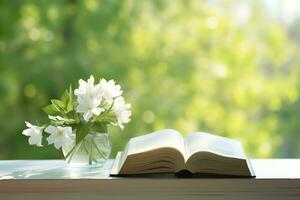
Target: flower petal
{"type": "Point", "coordinates": [28, 132]}
{"type": "Point", "coordinates": [51, 139]}
{"type": "Point", "coordinates": [87, 116]}
{"type": "Point", "coordinates": [51, 129]}
{"type": "Point", "coordinates": [91, 80]}
{"type": "Point", "coordinates": [59, 142]}
{"type": "Point", "coordinates": [97, 111]}
{"type": "Point", "coordinates": [67, 131]}
{"type": "Point", "coordinates": [28, 124]}
{"type": "Point", "coordinates": [35, 140]}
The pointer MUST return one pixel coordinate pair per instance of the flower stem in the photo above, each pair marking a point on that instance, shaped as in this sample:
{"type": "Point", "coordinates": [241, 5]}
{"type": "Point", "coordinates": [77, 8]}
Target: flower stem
{"type": "Point", "coordinates": [94, 143]}
{"type": "Point", "coordinates": [91, 153]}
{"type": "Point", "coordinates": [87, 151]}
{"type": "Point", "coordinates": [72, 152]}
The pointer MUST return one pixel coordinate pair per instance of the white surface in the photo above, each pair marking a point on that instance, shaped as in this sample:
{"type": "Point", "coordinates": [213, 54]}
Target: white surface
{"type": "Point", "coordinates": [58, 169]}
{"type": "Point", "coordinates": [49, 169]}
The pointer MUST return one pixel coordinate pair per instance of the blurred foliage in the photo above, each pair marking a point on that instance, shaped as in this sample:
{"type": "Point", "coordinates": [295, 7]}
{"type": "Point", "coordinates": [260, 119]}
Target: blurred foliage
{"type": "Point", "coordinates": [188, 65]}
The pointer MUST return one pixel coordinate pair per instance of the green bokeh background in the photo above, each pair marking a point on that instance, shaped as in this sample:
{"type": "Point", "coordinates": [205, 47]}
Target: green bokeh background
{"type": "Point", "coordinates": [188, 65]}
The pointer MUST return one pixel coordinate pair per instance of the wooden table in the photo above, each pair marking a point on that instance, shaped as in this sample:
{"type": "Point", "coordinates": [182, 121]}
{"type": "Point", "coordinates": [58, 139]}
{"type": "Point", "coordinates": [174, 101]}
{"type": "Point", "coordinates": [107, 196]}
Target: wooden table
{"type": "Point", "coordinates": [53, 179]}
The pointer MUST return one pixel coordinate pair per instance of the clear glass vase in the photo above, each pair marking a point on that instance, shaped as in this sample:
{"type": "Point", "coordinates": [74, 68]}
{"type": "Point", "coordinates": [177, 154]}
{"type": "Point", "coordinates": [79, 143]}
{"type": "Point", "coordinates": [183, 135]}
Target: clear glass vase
{"type": "Point", "coordinates": [92, 151]}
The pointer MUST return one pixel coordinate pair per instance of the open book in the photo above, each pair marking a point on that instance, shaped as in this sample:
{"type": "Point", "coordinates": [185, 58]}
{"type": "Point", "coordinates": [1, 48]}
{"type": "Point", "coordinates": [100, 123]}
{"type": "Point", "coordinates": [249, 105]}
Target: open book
{"type": "Point", "coordinates": [166, 151]}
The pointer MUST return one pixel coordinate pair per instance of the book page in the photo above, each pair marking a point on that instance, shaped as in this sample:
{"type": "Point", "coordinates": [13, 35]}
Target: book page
{"type": "Point", "coordinates": [115, 169]}
{"type": "Point", "coordinates": [200, 141]}
{"type": "Point", "coordinates": [160, 139]}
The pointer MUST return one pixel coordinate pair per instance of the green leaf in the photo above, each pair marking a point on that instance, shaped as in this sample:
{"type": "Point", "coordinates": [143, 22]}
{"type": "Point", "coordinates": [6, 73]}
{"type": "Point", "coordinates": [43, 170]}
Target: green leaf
{"type": "Point", "coordinates": [104, 118]}
{"type": "Point", "coordinates": [51, 110]}
{"type": "Point", "coordinates": [58, 104]}
{"type": "Point", "coordinates": [65, 97]}
{"type": "Point", "coordinates": [100, 127]}
{"type": "Point", "coordinates": [69, 107]}
{"type": "Point", "coordinates": [64, 120]}
{"type": "Point", "coordinates": [70, 93]}
{"type": "Point", "coordinates": [67, 100]}
{"type": "Point", "coordinates": [81, 131]}
{"type": "Point", "coordinates": [69, 104]}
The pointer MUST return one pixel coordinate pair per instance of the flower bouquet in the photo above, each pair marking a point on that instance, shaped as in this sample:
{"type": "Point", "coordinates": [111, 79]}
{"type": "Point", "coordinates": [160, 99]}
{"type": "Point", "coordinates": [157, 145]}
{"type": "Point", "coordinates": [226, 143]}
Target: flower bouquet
{"type": "Point", "coordinates": [78, 121]}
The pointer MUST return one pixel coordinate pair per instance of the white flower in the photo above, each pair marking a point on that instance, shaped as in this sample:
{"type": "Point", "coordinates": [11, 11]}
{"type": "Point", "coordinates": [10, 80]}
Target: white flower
{"type": "Point", "coordinates": [59, 136]}
{"type": "Point", "coordinates": [122, 111]}
{"type": "Point", "coordinates": [34, 133]}
{"type": "Point", "coordinates": [88, 107]}
{"type": "Point", "coordinates": [109, 89]}
{"type": "Point", "coordinates": [88, 98]}
{"type": "Point", "coordinates": [88, 88]}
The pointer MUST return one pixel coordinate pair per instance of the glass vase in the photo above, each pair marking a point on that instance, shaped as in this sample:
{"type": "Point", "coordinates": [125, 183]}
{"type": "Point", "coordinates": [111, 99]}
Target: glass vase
{"type": "Point", "coordinates": [92, 151]}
